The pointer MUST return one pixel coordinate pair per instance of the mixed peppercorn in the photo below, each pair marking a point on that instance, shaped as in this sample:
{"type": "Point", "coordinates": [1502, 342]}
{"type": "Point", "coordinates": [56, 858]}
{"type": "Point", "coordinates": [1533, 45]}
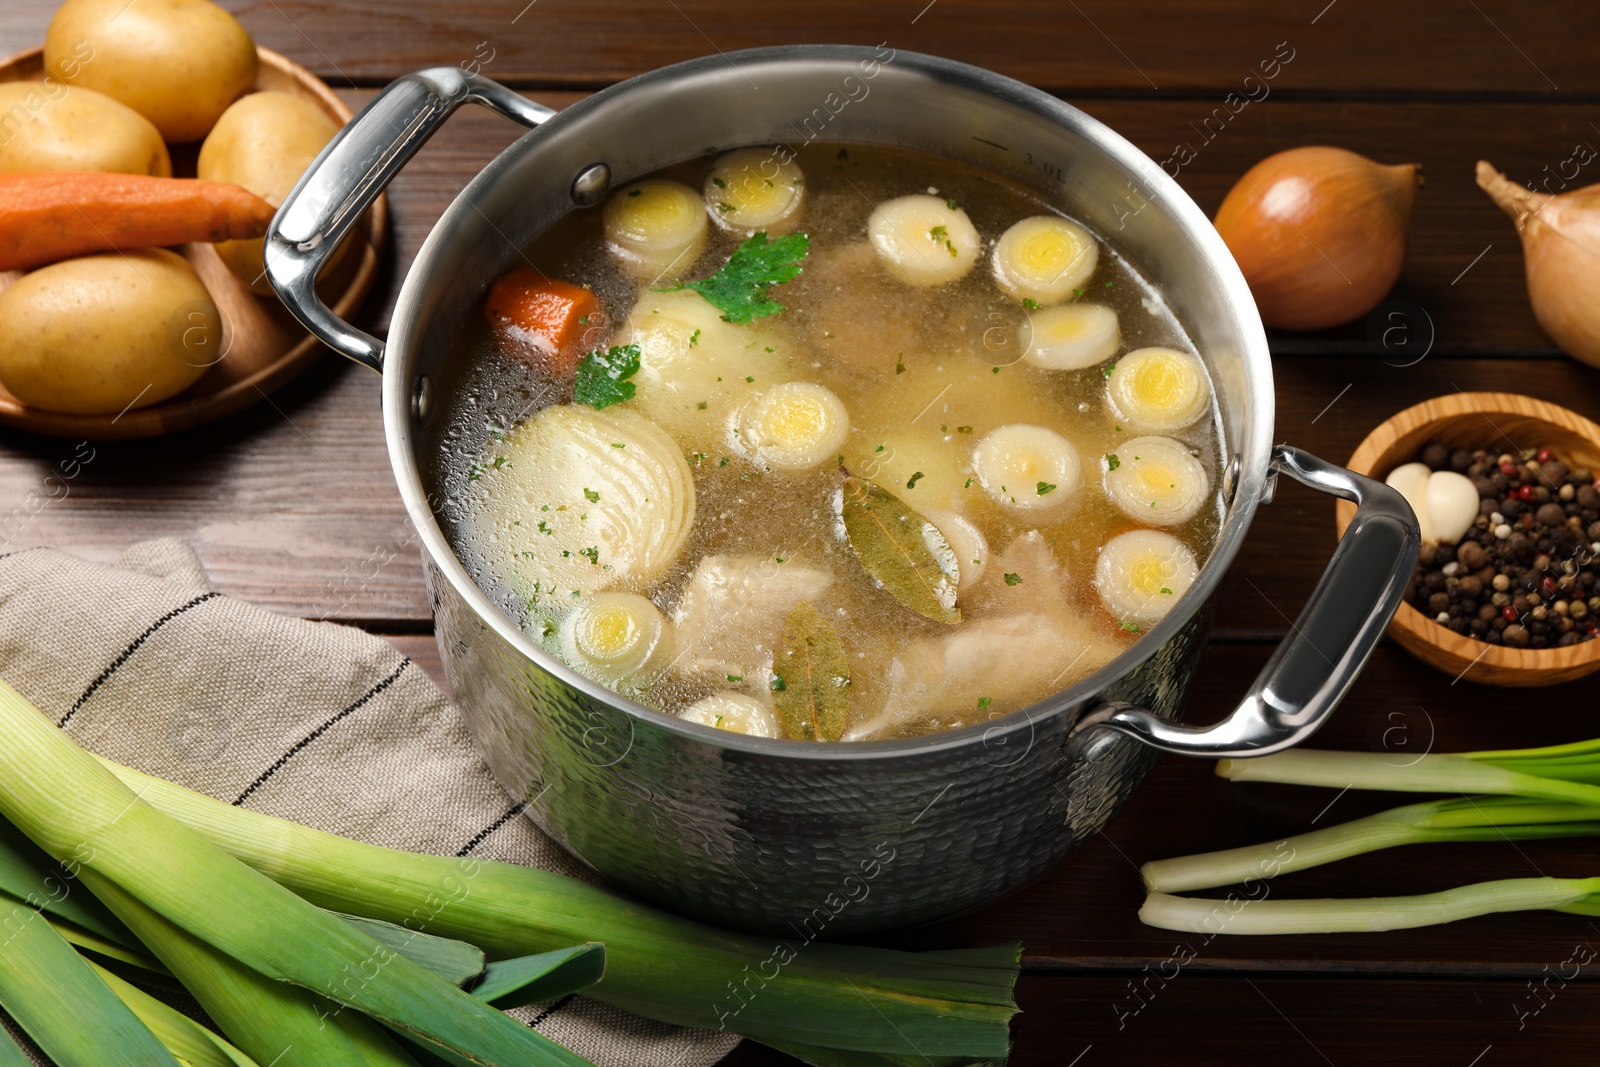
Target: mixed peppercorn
{"type": "Point", "coordinates": [1527, 572]}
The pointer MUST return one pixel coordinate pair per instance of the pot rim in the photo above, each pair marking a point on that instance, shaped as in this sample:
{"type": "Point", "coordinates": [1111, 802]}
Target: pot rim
{"type": "Point", "coordinates": [1250, 481]}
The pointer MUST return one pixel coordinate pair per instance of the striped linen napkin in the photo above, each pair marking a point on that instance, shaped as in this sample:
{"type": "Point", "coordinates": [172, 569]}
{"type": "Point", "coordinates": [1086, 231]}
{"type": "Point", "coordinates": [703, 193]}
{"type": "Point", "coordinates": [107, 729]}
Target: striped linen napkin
{"type": "Point", "coordinates": [141, 661]}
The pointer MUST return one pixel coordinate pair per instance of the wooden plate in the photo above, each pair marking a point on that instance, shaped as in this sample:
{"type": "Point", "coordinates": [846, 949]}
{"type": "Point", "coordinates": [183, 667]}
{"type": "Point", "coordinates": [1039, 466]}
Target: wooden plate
{"type": "Point", "coordinates": [1501, 422]}
{"type": "Point", "coordinates": [263, 345]}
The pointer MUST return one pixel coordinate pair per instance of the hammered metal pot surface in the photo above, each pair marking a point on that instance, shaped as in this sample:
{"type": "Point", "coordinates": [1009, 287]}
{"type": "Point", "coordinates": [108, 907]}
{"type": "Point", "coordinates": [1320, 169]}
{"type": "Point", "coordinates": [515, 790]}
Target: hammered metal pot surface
{"type": "Point", "coordinates": [775, 836]}
{"type": "Point", "coordinates": [774, 844]}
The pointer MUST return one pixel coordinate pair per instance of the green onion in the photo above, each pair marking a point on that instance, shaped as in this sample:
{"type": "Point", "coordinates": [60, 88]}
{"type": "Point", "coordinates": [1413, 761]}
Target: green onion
{"type": "Point", "coordinates": [60, 1002]}
{"type": "Point", "coordinates": [1273, 916]}
{"type": "Point", "coordinates": [1460, 819]}
{"type": "Point", "coordinates": [1431, 773]}
{"type": "Point", "coordinates": [663, 967]}
{"type": "Point", "coordinates": [74, 809]}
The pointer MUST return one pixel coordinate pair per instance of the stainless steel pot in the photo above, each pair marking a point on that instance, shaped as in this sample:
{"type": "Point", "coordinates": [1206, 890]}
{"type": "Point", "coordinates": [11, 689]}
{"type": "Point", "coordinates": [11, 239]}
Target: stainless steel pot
{"type": "Point", "coordinates": [816, 839]}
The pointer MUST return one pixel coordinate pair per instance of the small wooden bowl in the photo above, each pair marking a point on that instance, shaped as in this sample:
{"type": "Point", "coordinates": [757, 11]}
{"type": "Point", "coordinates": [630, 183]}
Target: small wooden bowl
{"type": "Point", "coordinates": [263, 344]}
{"type": "Point", "coordinates": [1501, 422]}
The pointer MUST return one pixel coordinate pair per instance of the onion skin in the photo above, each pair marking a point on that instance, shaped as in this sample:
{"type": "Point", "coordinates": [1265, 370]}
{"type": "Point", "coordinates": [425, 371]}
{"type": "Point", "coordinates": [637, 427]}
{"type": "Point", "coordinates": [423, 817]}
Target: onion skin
{"type": "Point", "coordinates": [1561, 252]}
{"type": "Point", "coordinates": [1320, 233]}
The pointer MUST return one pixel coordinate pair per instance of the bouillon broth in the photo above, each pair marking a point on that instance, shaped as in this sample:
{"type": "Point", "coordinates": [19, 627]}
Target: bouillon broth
{"type": "Point", "coordinates": [971, 459]}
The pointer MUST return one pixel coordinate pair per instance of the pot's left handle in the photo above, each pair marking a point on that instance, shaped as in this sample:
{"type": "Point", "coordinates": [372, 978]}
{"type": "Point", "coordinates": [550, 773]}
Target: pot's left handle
{"type": "Point", "coordinates": [349, 174]}
{"type": "Point", "coordinates": [1327, 645]}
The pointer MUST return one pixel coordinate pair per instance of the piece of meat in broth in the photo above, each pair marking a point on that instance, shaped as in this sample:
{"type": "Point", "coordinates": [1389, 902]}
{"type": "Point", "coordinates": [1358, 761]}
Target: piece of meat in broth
{"type": "Point", "coordinates": [731, 614]}
{"type": "Point", "coordinates": [1020, 643]}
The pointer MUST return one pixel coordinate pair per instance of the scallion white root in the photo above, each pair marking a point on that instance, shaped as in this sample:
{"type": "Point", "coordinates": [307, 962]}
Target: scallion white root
{"type": "Point", "coordinates": [1275, 916]}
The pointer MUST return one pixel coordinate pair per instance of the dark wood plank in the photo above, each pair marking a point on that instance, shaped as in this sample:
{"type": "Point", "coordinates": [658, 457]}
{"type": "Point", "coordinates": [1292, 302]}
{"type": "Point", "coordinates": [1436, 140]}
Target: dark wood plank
{"type": "Point", "coordinates": [1266, 1020]}
{"type": "Point", "coordinates": [1170, 47]}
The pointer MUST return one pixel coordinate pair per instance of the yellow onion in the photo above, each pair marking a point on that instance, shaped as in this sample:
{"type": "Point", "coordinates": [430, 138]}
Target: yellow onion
{"type": "Point", "coordinates": [1319, 233]}
{"type": "Point", "coordinates": [1561, 252]}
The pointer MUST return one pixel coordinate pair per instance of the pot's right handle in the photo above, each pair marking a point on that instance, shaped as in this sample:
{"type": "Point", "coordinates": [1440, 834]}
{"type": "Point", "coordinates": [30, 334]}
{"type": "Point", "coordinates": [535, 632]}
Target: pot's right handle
{"type": "Point", "coordinates": [347, 177]}
{"type": "Point", "coordinates": [1309, 673]}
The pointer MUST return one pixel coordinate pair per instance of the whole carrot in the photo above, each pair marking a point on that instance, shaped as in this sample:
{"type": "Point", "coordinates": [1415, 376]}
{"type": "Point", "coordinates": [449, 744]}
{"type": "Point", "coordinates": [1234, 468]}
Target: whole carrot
{"type": "Point", "coordinates": [54, 216]}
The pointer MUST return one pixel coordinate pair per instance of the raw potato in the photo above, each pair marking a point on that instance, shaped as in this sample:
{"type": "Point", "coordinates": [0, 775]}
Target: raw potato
{"type": "Point", "coordinates": [48, 126]}
{"type": "Point", "coordinates": [179, 63]}
{"type": "Point", "coordinates": [97, 335]}
{"type": "Point", "coordinates": [264, 143]}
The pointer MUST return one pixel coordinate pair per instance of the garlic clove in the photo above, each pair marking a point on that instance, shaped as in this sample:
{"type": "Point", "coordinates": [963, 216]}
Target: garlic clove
{"type": "Point", "coordinates": [1452, 505]}
{"type": "Point", "coordinates": [1411, 479]}
{"type": "Point", "coordinates": [1319, 232]}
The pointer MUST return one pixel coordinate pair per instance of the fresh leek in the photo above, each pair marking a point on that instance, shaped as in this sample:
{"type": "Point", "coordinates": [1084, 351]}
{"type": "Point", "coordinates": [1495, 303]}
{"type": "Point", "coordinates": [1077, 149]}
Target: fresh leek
{"type": "Point", "coordinates": [660, 966]}
{"type": "Point", "coordinates": [50, 990]}
{"type": "Point", "coordinates": [188, 1041]}
{"type": "Point", "coordinates": [273, 1022]}
{"type": "Point", "coordinates": [75, 810]}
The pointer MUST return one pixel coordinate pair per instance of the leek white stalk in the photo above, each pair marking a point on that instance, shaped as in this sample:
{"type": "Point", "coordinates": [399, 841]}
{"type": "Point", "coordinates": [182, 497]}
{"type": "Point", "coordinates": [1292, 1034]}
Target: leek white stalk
{"type": "Point", "coordinates": [663, 967]}
{"type": "Point", "coordinates": [1275, 916]}
{"type": "Point", "coordinates": [71, 807]}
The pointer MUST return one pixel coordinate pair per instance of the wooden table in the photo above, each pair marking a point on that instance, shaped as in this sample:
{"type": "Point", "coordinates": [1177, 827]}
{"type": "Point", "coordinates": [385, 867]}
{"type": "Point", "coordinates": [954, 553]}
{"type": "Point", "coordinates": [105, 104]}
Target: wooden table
{"type": "Point", "coordinates": [292, 506]}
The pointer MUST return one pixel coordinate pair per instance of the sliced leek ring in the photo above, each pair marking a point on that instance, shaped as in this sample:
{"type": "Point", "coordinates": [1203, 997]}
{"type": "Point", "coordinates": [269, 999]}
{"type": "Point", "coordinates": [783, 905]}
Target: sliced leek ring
{"type": "Point", "coordinates": [1159, 389]}
{"type": "Point", "coordinates": [793, 426]}
{"type": "Point", "coordinates": [613, 637]}
{"type": "Point", "coordinates": [656, 228]}
{"type": "Point", "coordinates": [1142, 573]}
{"type": "Point", "coordinates": [1027, 468]}
{"type": "Point", "coordinates": [734, 712]}
{"type": "Point", "coordinates": [923, 240]}
{"type": "Point", "coordinates": [1157, 480]}
{"type": "Point", "coordinates": [1070, 337]}
{"type": "Point", "coordinates": [966, 541]}
{"type": "Point", "coordinates": [1044, 258]}
{"type": "Point", "coordinates": [753, 190]}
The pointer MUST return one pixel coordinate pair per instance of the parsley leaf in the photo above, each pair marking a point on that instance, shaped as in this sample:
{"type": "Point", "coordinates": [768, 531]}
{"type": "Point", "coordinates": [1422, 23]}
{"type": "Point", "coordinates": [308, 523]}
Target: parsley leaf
{"type": "Point", "coordinates": [983, 703]}
{"type": "Point", "coordinates": [603, 376]}
{"type": "Point", "coordinates": [591, 496]}
{"type": "Point", "coordinates": [1045, 487]}
{"type": "Point", "coordinates": [1112, 462]}
{"type": "Point", "coordinates": [1013, 578]}
{"type": "Point", "coordinates": [739, 289]}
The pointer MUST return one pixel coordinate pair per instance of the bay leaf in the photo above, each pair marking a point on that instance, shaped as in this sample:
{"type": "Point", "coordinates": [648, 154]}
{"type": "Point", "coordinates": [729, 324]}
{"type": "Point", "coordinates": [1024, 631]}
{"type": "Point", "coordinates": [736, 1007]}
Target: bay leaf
{"type": "Point", "coordinates": [811, 678]}
{"type": "Point", "coordinates": [904, 552]}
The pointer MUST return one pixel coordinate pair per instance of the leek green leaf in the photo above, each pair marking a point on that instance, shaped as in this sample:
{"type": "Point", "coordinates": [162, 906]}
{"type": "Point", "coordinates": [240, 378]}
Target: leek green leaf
{"type": "Point", "coordinates": [902, 1003]}
{"type": "Point", "coordinates": [903, 552]}
{"type": "Point", "coordinates": [11, 1055]}
{"type": "Point", "coordinates": [29, 874]}
{"type": "Point", "coordinates": [455, 961]}
{"type": "Point", "coordinates": [814, 700]}
{"type": "Point", "coordinates": [183, 877]}
{"type": "Point", "coordinates": [186, 1039]}
{"type": "Point", "coordinates": [512, 983]}
{"type": "Point", "coordinates": [59, 1001]}
{"type": "Point", "coordinates": [273, 1022]}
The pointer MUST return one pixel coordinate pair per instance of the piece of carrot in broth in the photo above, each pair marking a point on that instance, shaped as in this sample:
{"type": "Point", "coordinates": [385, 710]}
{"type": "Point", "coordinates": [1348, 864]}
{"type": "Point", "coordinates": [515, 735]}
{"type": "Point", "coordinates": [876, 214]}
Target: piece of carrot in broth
{"type": "Point", "coordinates": [546, 317]}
